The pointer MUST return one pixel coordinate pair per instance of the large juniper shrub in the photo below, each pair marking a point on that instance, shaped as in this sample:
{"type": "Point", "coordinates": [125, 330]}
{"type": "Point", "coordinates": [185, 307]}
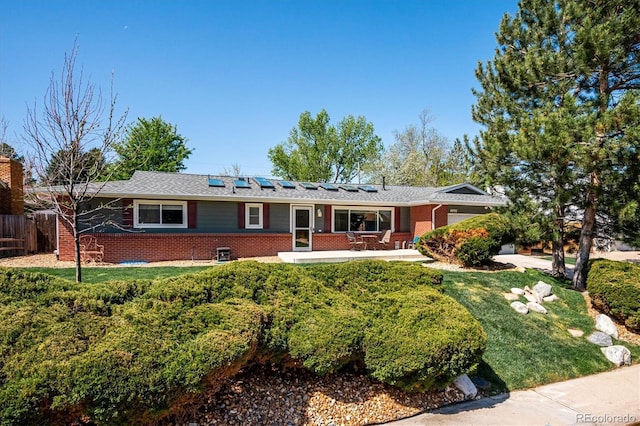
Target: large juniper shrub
{"type": "Point", "coordinates": [125, 352]}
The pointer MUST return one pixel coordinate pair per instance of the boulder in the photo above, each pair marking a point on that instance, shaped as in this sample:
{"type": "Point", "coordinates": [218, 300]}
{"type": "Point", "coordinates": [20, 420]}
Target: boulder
{"type": "Point", "coordinates": [606, 325]}
{"type": "Point", "coordinates": [516, 290]}
{"type": "Point", "coordinates": [543, 289]}
{"type": "Point", "coordinates": [536, 307]}
{"type": "Point", "coordinates": [520, 307]}
{"type": "Point", "coordinates": [511, 296]}
{"type": "Point", "coordinates": [551, 298]}
{"type": "Point", "coordinates": [531, 297]}
{"type": "Point", "coordinates": [466, 386]}
{"type": "Point", "coordinates": [618, 354]}
{"type": "Point", "coordinates": [601, 339]}
{"type": "Point", "coordinates": [521, 269]}
{"type": "Point", "coordinates": [575, 332]}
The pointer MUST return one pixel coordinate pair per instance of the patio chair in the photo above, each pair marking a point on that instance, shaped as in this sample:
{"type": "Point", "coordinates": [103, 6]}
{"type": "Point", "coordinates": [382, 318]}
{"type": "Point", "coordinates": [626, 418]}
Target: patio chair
{"type": "Point", "coordinates": [91, 251]}
{"type": "Point", "coordinates": [386, 239]}
{"type": "Point", "coordinates": [355, 243]}
{"type": "Point", "coordinates": [413, 244]}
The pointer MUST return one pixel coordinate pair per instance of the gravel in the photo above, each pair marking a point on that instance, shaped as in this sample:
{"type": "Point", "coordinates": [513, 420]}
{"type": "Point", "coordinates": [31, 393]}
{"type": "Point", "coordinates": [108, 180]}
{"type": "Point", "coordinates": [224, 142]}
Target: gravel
{"type": "Point", "coordinates": [268, 395]}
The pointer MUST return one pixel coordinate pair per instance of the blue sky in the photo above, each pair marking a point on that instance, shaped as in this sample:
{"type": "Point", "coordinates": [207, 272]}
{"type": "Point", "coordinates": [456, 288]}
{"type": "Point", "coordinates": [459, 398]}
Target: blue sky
{"type": "Point", "coordinates": [234, 76]}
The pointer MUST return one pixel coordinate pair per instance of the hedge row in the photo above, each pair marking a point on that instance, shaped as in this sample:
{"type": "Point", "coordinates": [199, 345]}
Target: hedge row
{"type": "Point", "coordinates": [472, 242]}
{"type": "Point", "coordinates": [614, 288]}
{"type": "Point", "coordinates": [124, 352]}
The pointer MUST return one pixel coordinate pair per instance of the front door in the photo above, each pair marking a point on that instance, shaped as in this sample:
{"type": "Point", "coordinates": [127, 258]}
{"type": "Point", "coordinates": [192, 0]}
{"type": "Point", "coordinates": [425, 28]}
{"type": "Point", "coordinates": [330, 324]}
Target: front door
{"type": "Point", "coordinates": [302, 228]}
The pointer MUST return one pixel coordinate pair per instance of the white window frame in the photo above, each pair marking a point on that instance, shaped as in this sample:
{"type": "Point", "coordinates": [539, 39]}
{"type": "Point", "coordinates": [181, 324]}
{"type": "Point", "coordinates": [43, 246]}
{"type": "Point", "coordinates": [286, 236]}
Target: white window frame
{"type": "Point", "coordinates": [136, 214]}
{"type": "Point", "coordinates": [370, 208]}
{"type": "Point", "coordinates": [247, 209]}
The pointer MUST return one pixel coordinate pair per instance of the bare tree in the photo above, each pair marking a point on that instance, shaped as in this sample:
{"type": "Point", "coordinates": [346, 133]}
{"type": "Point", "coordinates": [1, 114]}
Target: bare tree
{"type": "Point", "coordinates": [69, 131]}
{"type": "Point", "coordinates": [234, 170]}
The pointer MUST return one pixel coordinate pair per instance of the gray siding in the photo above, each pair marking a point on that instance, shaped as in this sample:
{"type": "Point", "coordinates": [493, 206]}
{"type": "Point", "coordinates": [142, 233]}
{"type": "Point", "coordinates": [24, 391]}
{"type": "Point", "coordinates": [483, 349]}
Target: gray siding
{"type": "Point", "coordinates": [468, 209]}
{"type": "Point", "coordinates": [217, 216]}
{"type": "Point", "coordinates": [405, 219]}
{"type": "Point", "coordinates": [280, 215]}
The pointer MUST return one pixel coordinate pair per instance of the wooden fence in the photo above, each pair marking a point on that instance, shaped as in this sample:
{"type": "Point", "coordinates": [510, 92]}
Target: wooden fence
{"type": "Point", "coordinates": [38, 233]}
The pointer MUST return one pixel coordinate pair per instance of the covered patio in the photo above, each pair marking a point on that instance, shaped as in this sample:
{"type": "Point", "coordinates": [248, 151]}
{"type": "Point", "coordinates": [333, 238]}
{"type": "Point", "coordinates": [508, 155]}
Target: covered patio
{"type": "Point", "coordinates": [333, 256]}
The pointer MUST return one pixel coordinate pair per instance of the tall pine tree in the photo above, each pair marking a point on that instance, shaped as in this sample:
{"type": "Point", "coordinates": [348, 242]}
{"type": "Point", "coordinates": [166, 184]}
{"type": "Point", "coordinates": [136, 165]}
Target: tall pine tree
{"type": "Point", "coordinates": [560, 110]}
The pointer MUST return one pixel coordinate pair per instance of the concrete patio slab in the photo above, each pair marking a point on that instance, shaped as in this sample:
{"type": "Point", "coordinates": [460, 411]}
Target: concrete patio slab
{"type": "Point", "coordinates": [334, 256]}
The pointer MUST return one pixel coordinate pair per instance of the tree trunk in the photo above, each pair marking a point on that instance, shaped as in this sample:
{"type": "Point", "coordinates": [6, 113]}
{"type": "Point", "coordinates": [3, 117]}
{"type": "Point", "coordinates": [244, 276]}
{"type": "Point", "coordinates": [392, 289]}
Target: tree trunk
{"type": "Point", "coordinates": [579, 281]}
{"type": "Point", "coordinates": [76, 239]}
{"type": "Point", "coordinates": [558, 268]}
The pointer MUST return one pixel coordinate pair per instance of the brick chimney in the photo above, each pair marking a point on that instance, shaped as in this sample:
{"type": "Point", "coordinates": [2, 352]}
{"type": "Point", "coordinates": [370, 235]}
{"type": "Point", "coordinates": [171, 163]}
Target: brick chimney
{"type": "Point", "coordinates": [12, 191]}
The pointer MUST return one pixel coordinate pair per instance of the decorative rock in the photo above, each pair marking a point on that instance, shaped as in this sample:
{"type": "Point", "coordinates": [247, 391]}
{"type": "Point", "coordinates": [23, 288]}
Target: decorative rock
{"type": "Point", "coordinates": [511, 296]}
{"type": "Point", "coordinates": [466, 386]}
{"type": "Point", "coordinates": [536, 307]}
{"type": "Point", "coordinates": [575, 332]}
{"type": "Point", "coordinates": [516, 290]}
{"type": "Point", "coordinates": [551, 298]}
{"type": "Point", "coordinates": [601, 339]}
{"type": "Point", "coordinates": [543, 289]}
{"type": "Point", "coordinates": [618, 354]}
{"type": "Point", "coordinates": [520, 269]}
{"type": "Point", "coordinates": [520, 307]}
{"type": "Point", "coordinates": [606, 325]}
{"type": "Point", "coordinates": [481, 383]}
{"type": "Point", "coordinates": [531, 297]}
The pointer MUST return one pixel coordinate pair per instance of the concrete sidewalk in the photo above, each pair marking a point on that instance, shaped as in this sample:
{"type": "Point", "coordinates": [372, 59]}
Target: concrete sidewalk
{"type": "Point", "coordinates": [611, 398]}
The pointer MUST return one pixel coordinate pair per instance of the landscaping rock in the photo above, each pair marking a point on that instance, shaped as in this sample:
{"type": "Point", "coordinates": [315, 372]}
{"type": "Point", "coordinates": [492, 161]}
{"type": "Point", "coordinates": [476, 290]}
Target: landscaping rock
{"type": "Point", "coordinates": [521, 269]}
{"type": "Point", "coordinates": [543, 289]}
{"type": "Point", "coordinates": [511, 296]}
{"type": "Point", "coordinates": [536, 307]}
{"type": "Point", "coordinates": [575, 332]}
{"type": "Point", "coordinates": [551, 298]}
{"type": "Point", "coordinates": [532, 298]}
{"type": "Point", "coordinates": [481, 383]}
{"type": "Point", "coordinates": [601, 339]}
{"type": "Point", "coordinates": [606, 325]}
{"type": "Point", "coordinates": [516, 290]}
{"type": "Point", "coordinates": [618, 354]}
{"type": "Point", "coordinates": [520, 307]}
{"type": "Point", "coordinates": [466, 386]}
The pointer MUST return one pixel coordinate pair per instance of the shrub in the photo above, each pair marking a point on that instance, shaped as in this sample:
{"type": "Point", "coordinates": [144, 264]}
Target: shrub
{"type": "Point", "coordinates": [472, 242]}
{"type": "Point", "coordinates": [122, 352]}
{"type": "Point", "coordinates": [614, 288]}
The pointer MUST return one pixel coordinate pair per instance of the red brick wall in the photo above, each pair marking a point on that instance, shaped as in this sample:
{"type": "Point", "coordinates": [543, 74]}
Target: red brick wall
{"type": "Point", "coordinates": [421, 217]}
{"type": "Point", "coordinates": [159, 247]}
{"type": "Point", "coordinates": [12, 201]}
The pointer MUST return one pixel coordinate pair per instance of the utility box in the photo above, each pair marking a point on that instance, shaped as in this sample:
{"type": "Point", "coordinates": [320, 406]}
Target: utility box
{"type": "Point", "coordinates": [223, 254]}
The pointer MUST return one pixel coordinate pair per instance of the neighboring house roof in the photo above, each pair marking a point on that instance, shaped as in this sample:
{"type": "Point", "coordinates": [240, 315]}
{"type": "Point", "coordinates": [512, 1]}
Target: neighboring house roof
{"type": "Point", "coordinates": [162, 185]}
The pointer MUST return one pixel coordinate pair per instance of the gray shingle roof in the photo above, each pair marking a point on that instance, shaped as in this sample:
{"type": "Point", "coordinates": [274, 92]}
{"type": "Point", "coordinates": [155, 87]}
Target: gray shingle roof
{"type": "Point", "coordinates": [161, 185]}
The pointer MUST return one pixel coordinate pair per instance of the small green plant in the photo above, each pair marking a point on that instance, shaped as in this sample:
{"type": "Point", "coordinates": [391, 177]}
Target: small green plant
{"type": "Point", "coordinates": [614, 288]}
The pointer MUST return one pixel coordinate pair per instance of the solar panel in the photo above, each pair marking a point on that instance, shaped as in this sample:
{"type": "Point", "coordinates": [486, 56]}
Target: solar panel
{"type": "Point", "coordinates": [368, 188]}
{"type": "Point", "coordinates": [349, 188]}
{"type": "Point", "coordinates": [216, 182]}
{"type": "Point", "coordinates": [307, 185]}
{"type": "Point", "coordinates": [286, 184]}
{"type": "Point", "coordinates": [329, 187]}
{"type": "Point", "coordinates": [264, 183]}
{"type": "Point", "coordinates": [239, 183]}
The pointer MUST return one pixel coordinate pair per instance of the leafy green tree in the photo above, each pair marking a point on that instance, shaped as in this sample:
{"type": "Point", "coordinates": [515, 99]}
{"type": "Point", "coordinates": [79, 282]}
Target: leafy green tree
{"type": "Point", "coordinates": [421, 156]}
{"type": "Point", "coordinates": [560, 108]}
{"type": "Point", "coordinates": [150, 145]}
{"type": "Point", "coordinates": [320, 152]}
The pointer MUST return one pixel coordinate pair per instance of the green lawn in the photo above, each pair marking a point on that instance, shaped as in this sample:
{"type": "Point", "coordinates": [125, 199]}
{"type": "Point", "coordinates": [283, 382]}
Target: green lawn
{"type": "Point", "coordinates": [567, 260]}
{"type": "Point", "coordinates": [525, 351]}
{"type": "Point", "coordinates": [102, 274]}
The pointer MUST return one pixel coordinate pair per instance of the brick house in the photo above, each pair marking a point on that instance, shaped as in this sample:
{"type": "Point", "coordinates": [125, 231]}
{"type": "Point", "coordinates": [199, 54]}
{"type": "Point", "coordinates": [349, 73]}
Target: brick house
{"type": "Point", "coordinates": [175, 216]}
{"type": "Point", "coordinates": [11, 187]}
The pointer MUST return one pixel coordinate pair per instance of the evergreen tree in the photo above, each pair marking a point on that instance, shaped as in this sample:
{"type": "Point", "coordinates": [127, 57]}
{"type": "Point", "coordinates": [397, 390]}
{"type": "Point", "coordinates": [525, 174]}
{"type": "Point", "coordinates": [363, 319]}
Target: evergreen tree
{"type": "Point", "coordinates": [560, 108]}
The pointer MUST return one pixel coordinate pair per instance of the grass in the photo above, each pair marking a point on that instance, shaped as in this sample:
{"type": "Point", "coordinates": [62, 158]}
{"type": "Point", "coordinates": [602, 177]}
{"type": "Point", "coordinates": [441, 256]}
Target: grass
{"type": "Point", "coordinates": [567, 260]}
{"type": "Point", "coordinates": [100, 274]}
{"type": "Point", "coordinates": [524, 351]}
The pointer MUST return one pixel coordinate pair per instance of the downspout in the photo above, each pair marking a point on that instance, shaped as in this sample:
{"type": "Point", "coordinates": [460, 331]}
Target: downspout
{"type": "Point", "coordinates": [433, 217]}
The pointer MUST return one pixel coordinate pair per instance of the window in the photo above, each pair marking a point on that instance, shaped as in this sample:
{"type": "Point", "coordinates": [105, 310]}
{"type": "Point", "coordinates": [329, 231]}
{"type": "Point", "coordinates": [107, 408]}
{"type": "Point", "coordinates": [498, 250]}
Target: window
{"type": "Point", "coordinates": [160, 214]}
{"type": "Point", "coordinates": [253, 219]}
{"type": "Point", "coordinates": [358, 219]}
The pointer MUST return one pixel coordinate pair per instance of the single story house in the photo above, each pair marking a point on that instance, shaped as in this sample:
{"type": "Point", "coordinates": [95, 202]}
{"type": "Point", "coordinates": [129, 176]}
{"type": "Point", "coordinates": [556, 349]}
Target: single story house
{"type": "Point", "coordinates": [177, 216]}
